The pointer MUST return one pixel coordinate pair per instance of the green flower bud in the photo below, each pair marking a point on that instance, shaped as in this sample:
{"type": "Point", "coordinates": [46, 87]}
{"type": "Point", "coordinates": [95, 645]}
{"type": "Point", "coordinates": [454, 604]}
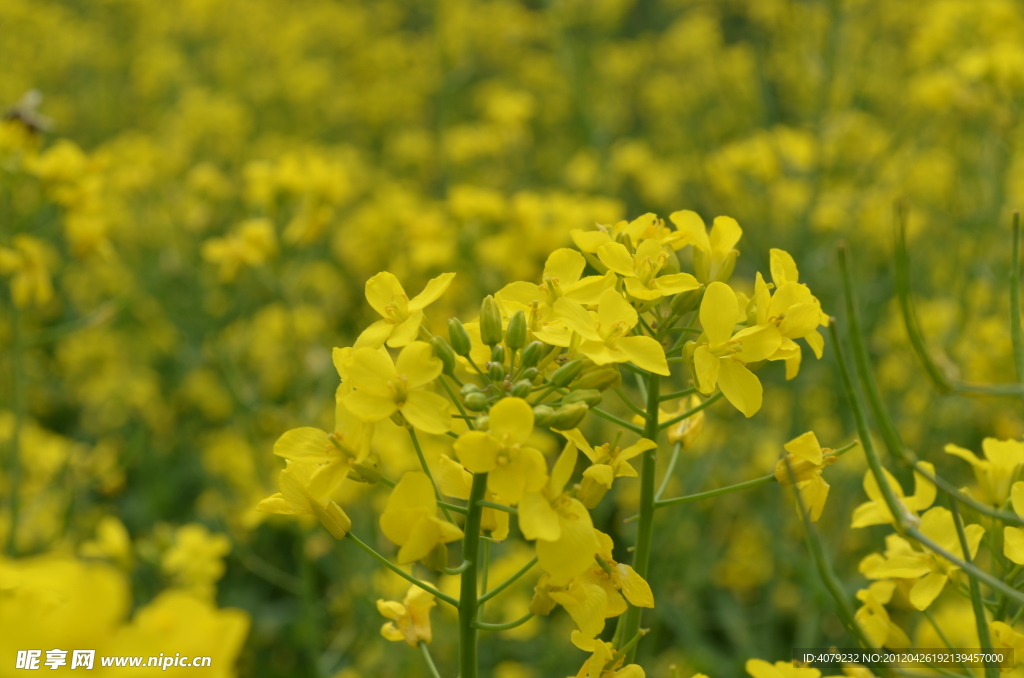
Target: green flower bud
{"type": "Point", "coordinates": [459, 337]}
{"type": "Point", "coordinates": [515, 333]}
{"type": "Point", "coordinates": [444, 351]}
{"type": "Point", "coordinates": [490, 322]}
{"type": "Point", "coordinates": [482, 423]}
{"type": "Point", "coordinates": [469, 388]}
{"type": "Point", "coordinates": [684, 302]}
{"type": "Point", "coordinates": [532, 354]}
{"type": "Point", "coordinates": [522, 388]}
{"type": "Point", "coordinates": [530, 374]}
{"type": "Point", "coordinates": [566, 373]}
{"type": "Point", "coordinates": [601, 378]}
{"type": "Point", "coordinates": [496, 371]}
{"type": "Point", "coordinates": [476, 402]}
{"type": "Point", "coordinates": [542, 415]}
{"type": "Point", "coordinates": [568, 416]}
{"type": "Point", "coordinates": [398, 418]}
{"type": "Point", "coordinates": [498, 354]}
{"type": "Point", "coordinates": [591, 397]}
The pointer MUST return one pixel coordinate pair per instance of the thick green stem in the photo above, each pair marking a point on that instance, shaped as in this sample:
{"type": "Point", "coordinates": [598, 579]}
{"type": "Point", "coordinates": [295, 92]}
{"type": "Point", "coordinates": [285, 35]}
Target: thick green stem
{"type": "Point", "coordinates": [468, 601]}
{"type": "Point", "coordinates": [630, 621]}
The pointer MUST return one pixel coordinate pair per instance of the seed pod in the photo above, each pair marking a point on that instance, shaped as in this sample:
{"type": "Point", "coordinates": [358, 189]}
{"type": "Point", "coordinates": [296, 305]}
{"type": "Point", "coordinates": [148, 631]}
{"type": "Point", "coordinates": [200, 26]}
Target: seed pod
{"type": "Point", "coordinates": [568, 416]}
{"type": "Point", "coordinates": [515, 333]}
{"type": "Point", "coordinates": [522, 388]}
{"type": "Point", "coordinates": [542, 415]}
{"type": "Point", "coordinates": [459, 337]}
{"type": "Point", "coordinates": [532, 354]}
{"type": "Point", "coordinates": [496, 371]}
{"type": "Point", "coordinates": [476, 402]}
{"type": "Point", "coordinates": [684, 302]}
{"type": "Point", "coordinates": [444, 351]}
{"type": "Point", "coordinates": [590, 396]}
{"type": "Point", "coordinates": [490, 322]}
{"type": "Point", "coordinates": [602, 378]}
{"type": "Point", "coordinates": [566, 373]}
{"type": "Point", "coordinates": [498, 354]}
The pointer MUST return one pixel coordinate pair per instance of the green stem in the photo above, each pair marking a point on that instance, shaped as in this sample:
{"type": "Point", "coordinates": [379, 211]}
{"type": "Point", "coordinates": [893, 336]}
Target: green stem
{"type": "Point", "coordinates": [508, 582]}
{"type": "Point", "coordinates": [630, 621]}
{"type": "Point", "coordinates": [746, 485]}
{"type": "Point", "coordinates": [980, 622]}
{"type": "Point", "coordinates": [400, 572]}
{"type": "Point", "coordinates": [499, 507]}
{"type": "Point", "coordinates": [426, 469]}
{"type": "Point", "coordinates": [429, 660]}
{"type": "Point", "coordinates": [484, 626]}
{"type": "Point", "coordinates": [1015, 322]}
{"type": "Point", "coordinates": [621, 422]}
{"type": "Point", "coordinates": [629, 403]}
{"type": "Point", "coordinates": [453, 507]}
{"type": "Point", "coordinates": [468, 601]}
{"type": "Point", "coordinates": [458, 403]}
{"type": "Point", "coordinates": [669, 470]}
{"type": "Point", "coordinates": [457, 570]}
{"type": "Point", "coordinates": [678, 394]}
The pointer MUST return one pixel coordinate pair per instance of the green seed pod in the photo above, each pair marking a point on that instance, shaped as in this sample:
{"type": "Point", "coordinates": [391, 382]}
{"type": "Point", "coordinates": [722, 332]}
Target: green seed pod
{"type": "Point", "coordinates": [444, 351]}
{"type": "Point", "coordinates": [522, 388]}
{"type": "Point", "coordinates": [530, 374]}
{"type": "Point", "coordinates": [684, 302]}
{"type": "Point", "coordinates": [515, 333]}
{"type": "Point", "coordinates": [476, 402]}
{"type": "Point", "coordinates": [542, 415]}
{"type": "Point", "coordinates": [568, 416]}
{"type": "Point", "coordinates": [532, 354]}
{"type": "Point", "coordinates": [590, 396]}
{"type": "Point", "coordinates": [498, 354]}
{"type": "Point", "coordinates": [566, 373]}
{"type": "Point", "coordinates": [490, 322]}
{"type": "Point", "coordinates": [602, 378]}
{"type": "Point", "coordinates": [496, 371]}
{"type": "Point", "coordinates": [459, 337]}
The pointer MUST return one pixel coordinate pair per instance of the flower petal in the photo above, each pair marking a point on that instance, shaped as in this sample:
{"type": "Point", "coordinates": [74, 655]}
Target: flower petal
{"type": "Point", "coordinates": [431, 292]}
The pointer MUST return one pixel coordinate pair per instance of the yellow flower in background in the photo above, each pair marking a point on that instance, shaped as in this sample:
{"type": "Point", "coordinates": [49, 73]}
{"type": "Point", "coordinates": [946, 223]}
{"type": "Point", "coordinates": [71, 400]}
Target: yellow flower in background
{"type": "Point", "coordinates": [929, 571]}
{"type": "Point", "coordinates": [606, 334]}
{"type": "Point", "coordinates": [688, 430]}
{"type": "Point", "coordinates": [640, 270]}
{"type": "Point", "coordinates": [252, 243]}
{"type": "Point", "coordinates": [410, 619]}
{"type": "Point", "coordinates": [1013, 537]}
{"type": "Point", "coordinates": [643, 227]}
{"type": "Point", "coordinates": [759, 668]}
{"type": "Point", "coordinates": [605, 662]}
{"type": "Point", "coordinates": [1004, 637]}
{"type": "Point", "coordinates": [560, 524]}
{"type": "Point", "coordinates": [714, 255]}
{"type": "Point", "coordinates": [401, 316]}
{"type": "Point", "coordinates": [296, 497]}
{"type": "Point", "coordinates": [606, 464]}
{"type": "Point", "coordinates": [195, 560]}
{"type": "Point", "coordinates": [26, 264]}
{"type": "Point", "coordinates": [802, 467]}
{"type": "Point", "coordinates": [112, 542]}
{"type": "Point", "coordinates": [872, 617]}
{"type": "Point", "coordinates": [720, 359]}
{"type": "Point", "coordinates": [512, 467]}
{"type": "Point", "coordinates": [1000, 467]}
{"type": "Point", "coordinates": [410, 518]}
{"type": "Point", "coordinates": [876, 511]}
{"type": "Point", "coordinates": [383, 387]}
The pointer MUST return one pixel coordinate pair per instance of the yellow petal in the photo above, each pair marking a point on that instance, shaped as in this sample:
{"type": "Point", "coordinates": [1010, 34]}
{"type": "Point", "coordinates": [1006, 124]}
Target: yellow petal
{"type": "Point", "coordinates": [477, 451]}
{"type": "Point", "coordinates": [369, 370]}
{"type": "Point", "coordinates": [431, 292]}
{"type": "Point", "coordinates": [427, 412]}
{"type": "Point", "coordinates": [801, 320]}
{"type": "Point", "coordinates": [1017, 497]}
{"type": "Point", "coordinates": [511, 419]}
{"type": "Point", "coordinates": [406, 331]}
{"type": "Point", "coordinates": [806, 446]}
{"type": "Point", "coordinates": [757, 343]}
{"type": "Point", "coordinates": [577, 318]}
{"type": "Point", "coordinates": [613, 308]}
{"type": "Point", "coordinates": [1013, 544]}
{"type": "Point", "coordinates": [375, 335]}
{"type": "Point", "coordinates": [718, 310]}
{"type": "Point", "coordinates": [585, 603]}
{"type": "Point", "coordinates": [926, 590]}
{"type": "Point", "coordinates": [384, 289]}
{"type": "Point", "coordinates": [636, 590]}
{"type": "Point", "coordinates": [707, 367]}
{"type": "Point", "coordinates": [452, 479]}
{"type": "Point", "coordinates": [602, 474]}
{"type": "Point", "coordinates": [565, 265]}
{"type": "Point", "coordinates": [725, 233]}
{"type": "Point", "coordinates": [589, 241]}
{"type": "Point", "coordinates": [419, 364]}
{"type": "Point", "coordinates": [617, 258]}
{"type": "Point", "coordinates": [562, 471]}
{"type": "Point", "coordinates": [783, 267]}
{"type": "Point", "coordinates": [423, 537]}
{"type": "Point", "coordinates": [305, 444]}
{"type": "Point", "coordinates": [369, 407]}
{"type": "Point", "coordinates": [692, 225]}
{"type": "Point", "coordinates": [963, 453]}
{"type": "Point", "coordinates": [676, 282]}
{"type": "Point", "coordinates": [644, 352]}
{"type": "Point", "coordinates": [537, 520]}
{"type": "Point", "coordinates": [574, 551]}
{"type": "Point", "coordinates": [740, 387]}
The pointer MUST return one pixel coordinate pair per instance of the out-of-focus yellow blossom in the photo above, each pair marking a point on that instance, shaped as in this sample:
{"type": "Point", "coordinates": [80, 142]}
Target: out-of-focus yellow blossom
{"type": "Point", "coordinates": [383, 387]}
{"type": "Point", "coordinates": [720, 357]}
{"type": "Point", "coordinates": [876, 511]}
{"type": "Point", "coordinates": [512, 467]}
{"type": "Point", "coordinates": [714, 255]}
{"type": "Point", "coordinates": [410, 619]}
{"type": "Point", "coordinates": [195, 560]}
{"type": "Point", "coordinates": [605, 662]}
{"type": "Point", "coordinates": [26, 264]}
{"type": "Point", "coordinates": [688, 430]}
{"type": "Point", "coordinates": [872, 617]}
{"type": "Point", "coordinates": [252, 243]}
{"type": "Point", "coordinates": [928, 570]}
{"type": "Point", "coordinates": [1005, 637]}
{"type": "Point", "coordinates": [401, 316]}
{"type": "Point", "coordinates": [410, 518]}
{"type": "Point", "coordinates": [759, 668]}
{"type": "Point", "coordinates": [640, 270]}
{"type": "Point", "coordinates": [1003, 460]}
{"type": "Point", "coordinates": [112, 543]}
{"type": "Point", "coordinates": [1013, 537]}
{"type": "Point", "coordinates": [61, 163]}
{"type": "Point", "coordinates": [296, 497]}
{"type": "Point", "coordinates": [802, 467]}
{"type": "Point", "coordinates": [606, 464]}
{"type": "Point", "coordinates": [605, 334]}
{"type": "Point", "coordinates": [560, 524]}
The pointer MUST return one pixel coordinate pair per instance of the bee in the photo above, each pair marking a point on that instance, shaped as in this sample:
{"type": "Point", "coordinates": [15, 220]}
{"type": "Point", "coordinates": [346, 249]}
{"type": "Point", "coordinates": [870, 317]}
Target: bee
{"type": "Point", "coordinates": [26, 112]}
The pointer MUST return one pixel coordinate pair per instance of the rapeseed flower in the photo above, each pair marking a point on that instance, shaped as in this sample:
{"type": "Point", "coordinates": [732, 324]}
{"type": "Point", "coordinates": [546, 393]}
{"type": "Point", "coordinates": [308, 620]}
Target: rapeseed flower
{"type": "Point", "coordinates": [401, 316]}
{"type": "Point", "coordinates": [410, 518]}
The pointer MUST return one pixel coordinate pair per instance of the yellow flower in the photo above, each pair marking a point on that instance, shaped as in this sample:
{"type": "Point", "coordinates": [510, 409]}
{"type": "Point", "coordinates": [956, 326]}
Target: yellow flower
{"type": "Point", "coordinates": [720, 357]}
{"type": "Point", "coordinates": [410, 619]}
{"type": "Point", "coordinates": [640, 270]}
{"type": "Point", "coordinates": [1003, 460]}
{"type": "Point", "coordinates": [1004, 637]}
{"type": "Point", "coordinates": [560, 524]}
{"type": "Point", "coordinates": [619, 581]}
{"type": "Point", "coordinates": [714, 256]}
{"type": "Point", "coordinates": [643, 227]}
{"type": "Point", "coordinates": [792, 312]}
{"type": "Point", "coordinates": [296, 497]}
{"type": "Point", "coordinates": [876, 511]}
{"type": "Point", "coordinates": [929, 571]}
{"type": "Point", "coordinates": [1013, 537]}
{"type": "Point", "coordinates": [30, 277]}
{"type": "Point", "coordinates": [382, 387]}
{"type": "Point", "coordinates": [605, 335]}
{"type": "Point", "coordinates": [501, 452]}
{"type": "Point", "coordinates": [585, 603]}
{"type": "Point", "coordinates": [562, 277]}
{"type": "Point", "coordinates": [410, 518]}
{"type": "Point", "coordinates": [401, 316]}
{"type": "Point", "coordinates": [803, 466]}
{"type": "Point", "coordinates": [759, 668]}
{"type": "Point", "coordinates": [604, 662]}
{"type": "Point", "coordinates": [251, 244]}
{"type": "Point", "coordinates": [453, 480]}
{"type": "Point", "coordinates": [196, 559]}
{"type": "Point", "coordinates": [872, 617]}
{"type": "Point", "coordinates": [606, 464]}
{"type": "Point", "coordinates": [688, 430]}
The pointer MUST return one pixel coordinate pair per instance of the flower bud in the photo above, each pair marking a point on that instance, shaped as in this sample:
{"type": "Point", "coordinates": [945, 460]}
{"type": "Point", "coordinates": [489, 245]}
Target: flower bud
{"type": "Point", "coordinates": [684, 302]}
{"type": "Point", "coordinates": [476, 402]}
{"type": "Point", "coordinates": [468, 388]}
{"type": "Point", "coordinates": [482, 423]}
{"type": "Point", "coordinates": [398, 418]}
{"type": "Point", "coordinates": [532, 354]}
{"type": "Point", "coordinates": [522, 388]}
{"type": "Point", "coordinates": [590, 396]}
{"type": "Point", "coordinates": [444, 351]}
{"type": "Point", "coordinates": [496, 371]}
{"type": "Point", "coordinates": [568, 416]}
{"type": "Point", "coordinates": [542, 415]}
{"type": "Point", "coordinates": [459, 337]}
{"type": "Point", "coordinates": [602, 378]}
{"type": "Point", "coordinates": [333, 518]}
{"type": "Point", "coordinates": [590, 492]}
{"type": "Point", "coordinates": [566, 373]}
{"type": "Point", "coordinates": [490, 321]}
{"type": "Point", "coordinates": [530, 374]}
{"type": "Point", "coordinates": [498, 354]}
{"type": "Point", "coordinates": [515, 333]}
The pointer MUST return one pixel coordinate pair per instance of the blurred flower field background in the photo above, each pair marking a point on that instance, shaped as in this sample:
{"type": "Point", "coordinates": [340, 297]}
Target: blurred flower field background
{"type": "Point", "coordinates": [189, 214]}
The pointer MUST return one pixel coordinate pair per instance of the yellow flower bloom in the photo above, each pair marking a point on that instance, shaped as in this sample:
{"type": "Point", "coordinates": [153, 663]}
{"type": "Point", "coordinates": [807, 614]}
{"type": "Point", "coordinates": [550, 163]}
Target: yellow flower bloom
{"type": "Point", "coordinates": [1004, 637]}
{"type": "Point", "coordinates": [876, 511]}
{"type": "Point", "coordinates": [296, 497]}
{"type": "Point", "coordinates": [410, 518]}
{"type": "Point", "coordinates": [720, 357]}
{"type": "Point", "coordinates": [586, 604]}
{"type": "Point", "coordinates": [560, 524]}
{"type": "Point", "coordinates": [410, 619]}
{"type": "Point", "coordinates": [928, 570]}
{"type": "Point", "coordinates": [562, 277]}
{"type": "Point", "coordinates": [196, 559]}
{"type": "Point", "coordinates": [606, 464]}
{"type": "Point", "coordinates": [640, 270]}
{"type": "Point", "coordinates": [605, 334]}
{"type": "Point", "coordinates": [251, 243]}
{"type": "Point", "coordinates": [714, 256]}
{"type": "Point", "coordinates": [401, 316]}
{"type": "Point", "coordinates": [872, 617]}
{"type": "Point", "coordinates": [382, 387]}
{"type": "Point", "coordinates": [793, 313]}
{"type": "Point", "coordinates": [619, 581]}
{"type": "Point", "coordinates": [26, 263]}
{"type": "Point", "coordinates": [643, 227]}
{"type": "Point", "coordinates": [802, 467]}
{"type": "Point", "coordinates": [604, 663]}
{"type": "Point", "coordinates": [1013, 537]}
{"type": "Point", "coordinates": [1003, 460]}
{"type": "Point", "coordinates": [501, 452]}
{"type": "Point", "coordinates": [453, 480]}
